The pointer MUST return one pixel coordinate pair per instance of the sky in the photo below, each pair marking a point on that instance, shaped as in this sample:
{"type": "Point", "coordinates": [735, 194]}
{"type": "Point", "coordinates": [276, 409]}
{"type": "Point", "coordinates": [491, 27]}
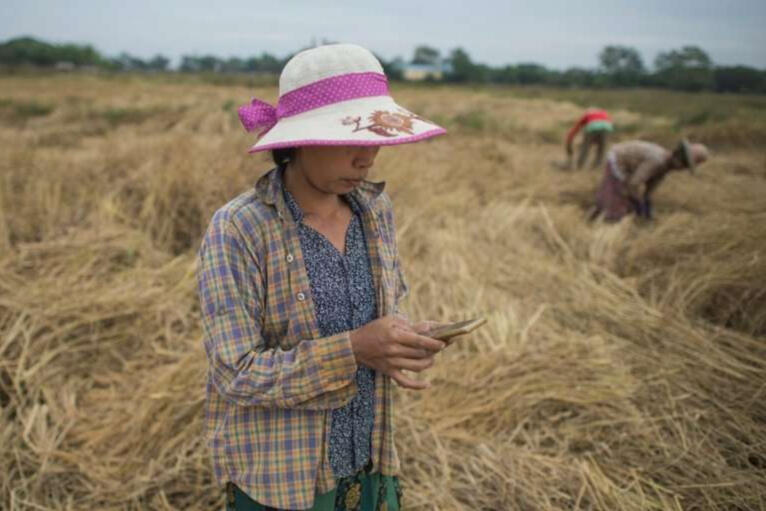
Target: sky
{"type": "Point", "coordinates": [556, 33]}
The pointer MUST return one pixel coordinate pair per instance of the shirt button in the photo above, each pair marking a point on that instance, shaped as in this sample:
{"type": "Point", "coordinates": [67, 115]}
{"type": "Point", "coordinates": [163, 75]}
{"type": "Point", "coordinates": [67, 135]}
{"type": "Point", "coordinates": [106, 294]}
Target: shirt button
{"type": "Point", "coordinates": [301, 297]}
{"type": "Point", "coordinates": [290, 258]}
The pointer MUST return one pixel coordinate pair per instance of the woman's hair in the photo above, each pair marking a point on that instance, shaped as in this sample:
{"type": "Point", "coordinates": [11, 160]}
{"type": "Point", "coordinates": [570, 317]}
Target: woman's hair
{"type": "Point", "coordinates": [283, 155]}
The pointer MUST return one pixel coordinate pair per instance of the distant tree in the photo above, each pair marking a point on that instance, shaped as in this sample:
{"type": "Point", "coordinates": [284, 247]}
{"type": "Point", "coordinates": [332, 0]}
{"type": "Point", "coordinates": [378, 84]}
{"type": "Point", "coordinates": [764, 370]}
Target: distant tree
{"type": "Point", "coordinates": [531, 73]}
{"type": "Point", "coordinates": [689, 69]}
{"type": "Point", "coordinates": [271, 63]}
{"type": "Point", "coordinates": [576, 77]}
{"type": "Point", "coordinates": [266, 63]}
{"type": "Point", "coordinates": [127, 62]}
{"type": "Point", "coordinates": [393, 69]}
{"type": "Point", "coordinates": [233, 65]}
{"type": "Point", "coordinates": [739, 79]}
{"type": "Point", "coordinates": [622, 65]}
{"type": "Point", "coordinates": [158, 63]}
{"type": "Point", "coordinates": [506, 74]}
{"type": "Point", "coordinates": [210, 63]}
{"type": "Point", "coordinates": [80, 55]}
{"type": "Point", "coordinates": [462, 69]}
{"type": "Point", "coordinates": [197, 64]}
{"type": "Point", "coordinates": [29, 51]}
{"type": "Point", "coordinates": [686, 57]}
{"type": "Point", "coordinates": [188, 64]}
{"type": "Point", "coordinates": [426, 55]}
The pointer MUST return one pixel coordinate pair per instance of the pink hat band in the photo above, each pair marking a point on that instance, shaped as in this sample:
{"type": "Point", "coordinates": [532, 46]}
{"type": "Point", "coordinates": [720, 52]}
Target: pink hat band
{"type": "Point", "coordinates": [261, 116]}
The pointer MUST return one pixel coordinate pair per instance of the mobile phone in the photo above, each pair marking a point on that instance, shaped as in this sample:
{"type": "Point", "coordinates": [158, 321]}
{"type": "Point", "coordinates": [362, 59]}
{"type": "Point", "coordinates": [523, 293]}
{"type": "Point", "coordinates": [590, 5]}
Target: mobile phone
{"type": "Point", "coordinates": [450, 330]}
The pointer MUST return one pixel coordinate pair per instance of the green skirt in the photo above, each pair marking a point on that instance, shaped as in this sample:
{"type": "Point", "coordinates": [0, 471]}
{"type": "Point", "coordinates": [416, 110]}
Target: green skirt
{"type": "Point", "coordinates": [360, 492]}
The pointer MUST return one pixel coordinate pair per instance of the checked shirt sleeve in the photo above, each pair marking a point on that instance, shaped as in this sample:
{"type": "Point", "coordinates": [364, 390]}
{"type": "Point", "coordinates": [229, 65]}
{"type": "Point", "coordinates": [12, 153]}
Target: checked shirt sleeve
{"type": "Point", "coordinates": [315, 374]}
{"type": "Point", "coordinates": [402, 289]}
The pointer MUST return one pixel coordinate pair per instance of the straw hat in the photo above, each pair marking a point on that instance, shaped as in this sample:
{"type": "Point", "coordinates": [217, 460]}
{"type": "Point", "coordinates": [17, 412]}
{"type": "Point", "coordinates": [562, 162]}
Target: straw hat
{"type": "Point", "coordinates": [691, 155]}
{"type": "Point", "coordinates": [333, 95]}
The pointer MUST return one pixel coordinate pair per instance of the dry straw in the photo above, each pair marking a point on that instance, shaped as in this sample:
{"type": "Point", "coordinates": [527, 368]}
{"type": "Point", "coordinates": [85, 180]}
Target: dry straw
{"type": "Point", "coordinates": [622, 367]}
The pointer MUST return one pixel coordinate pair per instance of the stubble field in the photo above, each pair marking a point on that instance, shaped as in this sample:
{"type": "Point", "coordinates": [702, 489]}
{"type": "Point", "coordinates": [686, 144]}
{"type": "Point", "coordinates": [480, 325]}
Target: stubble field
{"type": "Point", "coordinates": [623, 366]}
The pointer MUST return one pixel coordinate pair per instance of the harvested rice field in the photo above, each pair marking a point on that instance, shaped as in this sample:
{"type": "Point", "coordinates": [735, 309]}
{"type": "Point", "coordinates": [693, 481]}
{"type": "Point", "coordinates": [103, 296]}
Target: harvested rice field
{"type": "Point", "coordinates": [623, 366]}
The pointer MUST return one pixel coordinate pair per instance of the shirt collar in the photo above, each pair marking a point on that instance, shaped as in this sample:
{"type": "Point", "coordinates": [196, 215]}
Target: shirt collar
{"type": "Point", "coordinates": [293, 207]}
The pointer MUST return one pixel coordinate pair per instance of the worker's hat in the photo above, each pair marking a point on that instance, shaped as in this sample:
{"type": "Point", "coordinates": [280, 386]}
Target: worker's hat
{"type": "Point", "coordinates": [333, 95]}
{"type": "Point", "coordinates": [684, 153]}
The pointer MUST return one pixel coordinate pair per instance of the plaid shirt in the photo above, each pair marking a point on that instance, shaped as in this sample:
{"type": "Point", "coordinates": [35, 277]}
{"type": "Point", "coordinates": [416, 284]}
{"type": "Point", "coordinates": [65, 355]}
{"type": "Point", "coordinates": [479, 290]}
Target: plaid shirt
{"type": "Point", "coordinates": [272, 379]}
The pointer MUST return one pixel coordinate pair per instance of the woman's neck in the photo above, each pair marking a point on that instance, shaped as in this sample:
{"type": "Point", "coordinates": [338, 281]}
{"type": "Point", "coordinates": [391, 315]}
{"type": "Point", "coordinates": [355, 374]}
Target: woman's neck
{"type": "Point", "coordinates": [311, 200]}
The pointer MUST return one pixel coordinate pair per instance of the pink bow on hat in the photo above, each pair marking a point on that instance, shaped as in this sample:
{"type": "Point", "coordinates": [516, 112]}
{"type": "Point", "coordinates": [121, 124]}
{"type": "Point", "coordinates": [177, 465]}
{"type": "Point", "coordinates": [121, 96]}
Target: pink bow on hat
{"type": "Point", "coordinates": [257, 115]}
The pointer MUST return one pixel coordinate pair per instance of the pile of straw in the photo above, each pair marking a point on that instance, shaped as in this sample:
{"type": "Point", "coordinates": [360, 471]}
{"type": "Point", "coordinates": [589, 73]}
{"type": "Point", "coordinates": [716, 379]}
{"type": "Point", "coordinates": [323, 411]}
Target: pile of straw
{"type": "Point", "coordinates": [622, 367]}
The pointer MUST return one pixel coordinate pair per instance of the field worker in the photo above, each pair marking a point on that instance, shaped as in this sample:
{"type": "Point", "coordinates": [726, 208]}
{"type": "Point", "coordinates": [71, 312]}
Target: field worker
{"type": "Point", "coordinates": [299, 284]}
{"type": "Point", "coordinates": [634, 169]}
{"type": "Point", "coordinates": [597, 125]}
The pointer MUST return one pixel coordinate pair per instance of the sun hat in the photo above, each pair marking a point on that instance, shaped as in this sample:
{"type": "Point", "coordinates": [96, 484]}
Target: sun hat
{"type": "Point", "coordinates": [691, 154]}
{"type": "Point", "coordinates": [686, 155]}
{"type": "Point", "coordinates": [333, 95]}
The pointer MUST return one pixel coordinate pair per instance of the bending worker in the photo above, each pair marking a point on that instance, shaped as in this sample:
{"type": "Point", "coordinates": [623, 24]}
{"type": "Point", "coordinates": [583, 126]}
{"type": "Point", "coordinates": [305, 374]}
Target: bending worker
{"type": "Point", "coordinates": [634, 169]}
{"type": "Point", "coordinates": [598, 125]}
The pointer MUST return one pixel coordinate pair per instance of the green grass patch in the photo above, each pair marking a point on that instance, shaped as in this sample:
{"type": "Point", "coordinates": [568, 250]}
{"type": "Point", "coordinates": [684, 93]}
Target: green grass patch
{"type": "Point", "coordinates": [229, 105]}
{"type": "Point", "coordinates": [19, 111]}
{"type": "Point", "coordinates": [32, 109]}
{"type": "Point", "coordinates": [700, 117]}
{"type": "Point", "coordinates": [630, 128]}
{"type": "Point", "coordinates": [474, 121]}
{"type": "Point", "coordinates": [119, 116]}
{"type": "Point", "coordinates": [550, 136]}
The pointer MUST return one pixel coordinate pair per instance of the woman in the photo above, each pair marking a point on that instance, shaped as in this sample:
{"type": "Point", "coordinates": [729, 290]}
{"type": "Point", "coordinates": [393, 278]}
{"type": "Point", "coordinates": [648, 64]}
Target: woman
{"type": "Point", "coordinates": [598, 125]}
{"type": "Point", "coordinates": [299, 282]}
{"type": "Point", "coordinates": [634, 170]}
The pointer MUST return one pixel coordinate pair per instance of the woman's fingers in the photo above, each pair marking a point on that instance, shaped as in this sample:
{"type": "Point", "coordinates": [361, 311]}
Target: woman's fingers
{"type": "Point", "coordinates": [422, 342]}
{"type": "Point", "coordinates": [401, 321]}
{"type": "Point", "coordinates": [407, 382]}
{"type": "Point", "coordinates": [400, 350]}
{"type": "Point", "coordinates": [412, 364]}
{"type": "Point", "coordinates": [422, 327]}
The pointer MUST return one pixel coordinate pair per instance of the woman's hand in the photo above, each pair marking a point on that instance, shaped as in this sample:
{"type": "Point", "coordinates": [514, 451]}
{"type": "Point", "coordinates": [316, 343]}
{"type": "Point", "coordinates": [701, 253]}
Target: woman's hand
{"type": "Point", "coordinates": [390, 344]}
{"type": "Point", "coordinates": [423, 327]}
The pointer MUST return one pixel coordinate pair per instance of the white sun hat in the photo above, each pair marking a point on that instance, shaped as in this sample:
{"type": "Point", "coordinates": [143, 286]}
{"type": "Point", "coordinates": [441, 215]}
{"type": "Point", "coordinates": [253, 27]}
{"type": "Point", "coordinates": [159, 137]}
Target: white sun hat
{"type": "Point", "coordinates": [333, 95]}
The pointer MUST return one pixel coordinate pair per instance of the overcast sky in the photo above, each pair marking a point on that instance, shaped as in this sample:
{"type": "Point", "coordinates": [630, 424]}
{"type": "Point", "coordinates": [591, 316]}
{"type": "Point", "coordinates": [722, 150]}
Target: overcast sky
{"type": "Point", "coordinates": [556, 33]}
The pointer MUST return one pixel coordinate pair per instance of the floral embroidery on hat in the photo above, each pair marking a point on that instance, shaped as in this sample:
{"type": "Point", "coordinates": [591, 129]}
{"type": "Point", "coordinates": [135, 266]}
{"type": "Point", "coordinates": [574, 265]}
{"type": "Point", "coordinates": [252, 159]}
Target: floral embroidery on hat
{"type": "Point", "coordinates": [384, 123]}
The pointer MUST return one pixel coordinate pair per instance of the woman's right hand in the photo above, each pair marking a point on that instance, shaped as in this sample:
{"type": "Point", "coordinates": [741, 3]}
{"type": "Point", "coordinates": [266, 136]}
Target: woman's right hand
{"type": "Point", "coordinates": [390, 344]}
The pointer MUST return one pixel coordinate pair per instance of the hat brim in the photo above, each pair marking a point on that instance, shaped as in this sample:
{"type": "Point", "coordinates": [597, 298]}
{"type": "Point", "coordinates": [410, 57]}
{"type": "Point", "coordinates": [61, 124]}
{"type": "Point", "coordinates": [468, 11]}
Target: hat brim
{"type": "Point", "coordinates": [687, 153]}
{"type": "Point", "coordinates": [370, 121]}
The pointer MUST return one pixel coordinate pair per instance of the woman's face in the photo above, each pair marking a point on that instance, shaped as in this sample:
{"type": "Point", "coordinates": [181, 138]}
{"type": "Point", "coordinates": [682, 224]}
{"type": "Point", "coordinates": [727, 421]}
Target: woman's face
{"type": "Point", "coordinates": [335, 169]}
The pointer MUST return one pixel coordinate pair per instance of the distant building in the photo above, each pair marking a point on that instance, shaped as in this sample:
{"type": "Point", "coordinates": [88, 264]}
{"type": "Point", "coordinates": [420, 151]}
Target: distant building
{"type": "Point", "coordinates": [63, 65]}
{"type": "Point", "coordinates": [420, 72]}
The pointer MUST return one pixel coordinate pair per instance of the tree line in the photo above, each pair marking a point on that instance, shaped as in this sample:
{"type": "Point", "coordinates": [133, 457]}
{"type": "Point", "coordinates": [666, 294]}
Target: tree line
{"type": "Point", "coordinates": [688, 68]}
